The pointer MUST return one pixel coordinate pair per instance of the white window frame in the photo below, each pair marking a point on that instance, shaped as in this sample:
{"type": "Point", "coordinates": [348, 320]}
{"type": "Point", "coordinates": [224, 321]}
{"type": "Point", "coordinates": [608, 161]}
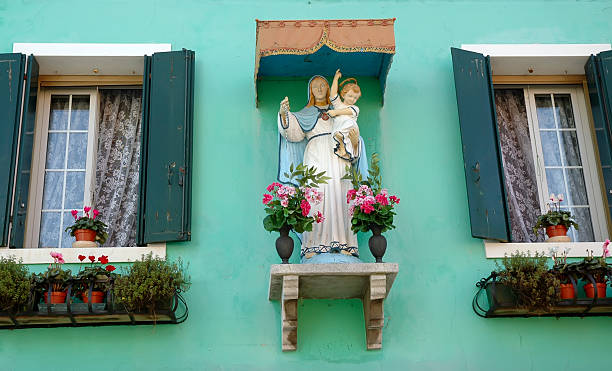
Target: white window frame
{"type": "Point", "coordinates": [94, 60]}
{"type": "Point", "coordinates": [532, 60]}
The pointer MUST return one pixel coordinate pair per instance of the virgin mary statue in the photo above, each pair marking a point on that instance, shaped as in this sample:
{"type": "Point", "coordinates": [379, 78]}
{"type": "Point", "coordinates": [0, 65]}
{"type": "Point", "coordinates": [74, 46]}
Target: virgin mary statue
{"type": "Point", "coordinates": [306, 137]}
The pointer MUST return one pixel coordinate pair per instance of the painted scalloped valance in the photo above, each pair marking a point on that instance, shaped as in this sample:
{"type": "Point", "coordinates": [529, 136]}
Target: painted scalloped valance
{"type": "Point", "coordinates": [363, 47]}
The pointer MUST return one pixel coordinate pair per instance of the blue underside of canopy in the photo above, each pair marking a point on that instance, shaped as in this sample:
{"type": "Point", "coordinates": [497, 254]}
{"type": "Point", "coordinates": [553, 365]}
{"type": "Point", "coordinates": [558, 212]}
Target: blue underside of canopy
{"type": "Point", "coordinates": [326, 61]}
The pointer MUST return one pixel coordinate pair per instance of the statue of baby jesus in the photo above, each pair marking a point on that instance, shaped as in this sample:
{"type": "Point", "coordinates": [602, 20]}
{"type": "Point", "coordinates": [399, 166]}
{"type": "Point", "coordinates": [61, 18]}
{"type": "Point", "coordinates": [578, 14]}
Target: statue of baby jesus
{"type": "Point", "coordinates": [345, 113]}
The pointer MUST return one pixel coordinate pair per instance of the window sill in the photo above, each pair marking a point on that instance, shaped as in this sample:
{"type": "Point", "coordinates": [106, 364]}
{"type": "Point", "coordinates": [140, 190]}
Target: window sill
{"type": "Point", "coordinates": [575, 249]}
{"type": "Point", "coordinates": [115, 254]}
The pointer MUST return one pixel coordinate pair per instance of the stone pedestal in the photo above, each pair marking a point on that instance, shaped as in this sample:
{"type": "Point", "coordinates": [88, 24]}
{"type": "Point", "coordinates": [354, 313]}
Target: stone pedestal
{"type": "Point", "coordinates": [370, 282]}
{"type": "Point", "coordinates": [77, 244]}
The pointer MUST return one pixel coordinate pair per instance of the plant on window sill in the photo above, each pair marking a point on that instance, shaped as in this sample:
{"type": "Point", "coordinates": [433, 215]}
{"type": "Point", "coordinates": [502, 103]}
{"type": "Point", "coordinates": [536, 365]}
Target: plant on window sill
{"type": "Point", "coordinates": [88, 228]}
{"type": "Point", "coordinates": [555, 221]}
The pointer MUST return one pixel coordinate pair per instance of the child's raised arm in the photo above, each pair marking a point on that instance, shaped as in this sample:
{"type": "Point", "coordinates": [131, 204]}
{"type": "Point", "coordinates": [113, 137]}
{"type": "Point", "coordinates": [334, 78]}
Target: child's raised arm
{"type": "Point", "coordinates": [334, 88]}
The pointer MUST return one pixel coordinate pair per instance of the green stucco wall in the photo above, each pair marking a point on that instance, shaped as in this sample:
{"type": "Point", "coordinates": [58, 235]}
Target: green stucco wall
{"type": "Point", "coordinates": [429, 323]}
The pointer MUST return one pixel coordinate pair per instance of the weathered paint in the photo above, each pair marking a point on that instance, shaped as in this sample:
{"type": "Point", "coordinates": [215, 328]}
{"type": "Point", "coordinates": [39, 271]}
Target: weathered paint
{"type": "Point", "coordinates": [233, 326]}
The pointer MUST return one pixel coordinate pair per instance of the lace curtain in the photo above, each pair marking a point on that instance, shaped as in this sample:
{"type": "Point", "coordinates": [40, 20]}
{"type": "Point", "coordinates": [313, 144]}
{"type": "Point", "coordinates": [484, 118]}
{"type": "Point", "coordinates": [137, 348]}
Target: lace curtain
{"type": "Point", "coordinates": [519, 170]}
{"type": "Point", "coordinates": [118, 164]}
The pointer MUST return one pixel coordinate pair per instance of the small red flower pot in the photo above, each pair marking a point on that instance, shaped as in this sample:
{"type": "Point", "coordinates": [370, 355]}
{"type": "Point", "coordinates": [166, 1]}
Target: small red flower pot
{"type": "Point", "coordinates": [556, 230]}
{"type": "Point", "coordinates": [601, 290]}
{"type": "Point", "coordinates": [85, 235]}
{"type": "Point", "coordinates": [567, 291]}
{"type": "Point", "coordinates": [96, 297]}
{"type": "Point", "coordinates": [57, 297]}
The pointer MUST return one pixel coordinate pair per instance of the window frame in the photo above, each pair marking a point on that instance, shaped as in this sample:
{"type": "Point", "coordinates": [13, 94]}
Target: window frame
{"type": "Point", "coordinates": [105, 56]}
{"type": "Point", "coordinates": [523, 64]}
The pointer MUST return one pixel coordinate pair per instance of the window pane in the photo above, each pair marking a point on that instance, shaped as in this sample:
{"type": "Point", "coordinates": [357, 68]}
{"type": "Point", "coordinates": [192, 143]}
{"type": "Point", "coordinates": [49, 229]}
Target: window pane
{"type": "Point", "coordinates": [56, 150]}
{"type": "Point", "coordinates": [77, 151]}
{"type": "Point", "coordinates": [550, 147]}
{"type": "Point", "coordinates": [58, 115]}
{"type": "Point", "coordinates": [565, 113]}
{"type": "Point", "coordinates": [546, 119]}
{"type": "Point", "coordinates": [556, 183]}
{"type": "Point", "coordinates": [52, 194]}
{"type": "Point", "coordinates": [582, 215]}
{"type": "Point", "coordinates": [571, 152]}
{"type": "Point", "coordinates": [49, 236]}
{"type": "Point", "coordinates": [67, 239]}
{"type": "Point", "coordinates": [79, 119]}
{"type": "Point", "coordinates": [75, 185]}
{"type": "Point", "coordinates": [575, 182]}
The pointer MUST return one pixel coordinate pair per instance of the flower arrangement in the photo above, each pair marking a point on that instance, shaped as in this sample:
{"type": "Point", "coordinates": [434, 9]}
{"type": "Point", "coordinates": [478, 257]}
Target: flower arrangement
{"type": "Point", "coordinates": [90, 222]}
{"type": "Point", "coordinates": [286, 205]}
{"type": "Point", "coordinates": [554, 215]}
{"type": "Point", "coordinates": [55, 276]}
{"type": "Point", "coordinates": [95, 274]}
{"type": "Point", "coordinates": [597, 267]}
{"type": "Point", "coordinates": [370, 203]}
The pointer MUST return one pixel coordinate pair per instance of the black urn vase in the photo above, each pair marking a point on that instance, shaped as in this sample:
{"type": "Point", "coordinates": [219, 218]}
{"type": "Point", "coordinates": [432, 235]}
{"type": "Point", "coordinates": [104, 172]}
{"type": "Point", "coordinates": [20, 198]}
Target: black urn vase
{"type": "Point", "coordinates": [284, 244]}
{"type": "Point", "coordinates": [377, 243]}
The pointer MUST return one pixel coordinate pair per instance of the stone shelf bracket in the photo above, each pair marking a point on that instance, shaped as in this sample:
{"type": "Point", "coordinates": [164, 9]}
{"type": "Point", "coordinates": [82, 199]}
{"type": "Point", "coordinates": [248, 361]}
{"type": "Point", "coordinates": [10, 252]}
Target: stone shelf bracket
{"type": "Point", "coordinates": [370, 282]}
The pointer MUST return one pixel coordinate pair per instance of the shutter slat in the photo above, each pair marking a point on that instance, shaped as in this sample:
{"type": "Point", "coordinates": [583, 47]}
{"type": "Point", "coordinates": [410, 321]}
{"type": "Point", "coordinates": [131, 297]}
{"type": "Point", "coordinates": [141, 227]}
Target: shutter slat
{"type": "Point", "coordinates": [11, 88]}
{"type": "Point", "coordinates": [166, 182]}
{"type": "Point", "coordinates": [481, 154]}
{"type": "Point", "coordinates": [24, 162]}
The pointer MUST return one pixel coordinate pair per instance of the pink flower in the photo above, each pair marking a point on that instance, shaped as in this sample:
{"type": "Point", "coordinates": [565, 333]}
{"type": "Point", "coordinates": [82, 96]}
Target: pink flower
{"type": "Point", "coordinates": [95, 213]}
{"type": "Point", "coordinates": [267, 198]}
{"type": "Point", "coordinates": [271, 186]}
{"type": "Point", "coordinates": [284, 203]}
{"type": "Point", "coordinates": [319, 218]}
{"type": "Point", "coordinates": [74, 214]}
{"type": "Point", "coordinates": [350, 195]}
{"type": "Point", "coordinates": [560, 197]}
{"type": "Point", "coordinates": [61, 260]}
{"type": "Point", "coordinates": [364, 190]}
{"type": "Point", "coordinates": [351, 210]}
{"type": "Point", "coordinates": [367, 208]}
{"type": "Point", "coordinates": [394, 199]}
{"type": "Point", "coordinates": [86, 209]}
{"type": "Point", "coordinates": [606, 251]}
{"type": "Point", "coordinates": [382, 199]}
{"type": "Point", "coordinates": [305, 206]}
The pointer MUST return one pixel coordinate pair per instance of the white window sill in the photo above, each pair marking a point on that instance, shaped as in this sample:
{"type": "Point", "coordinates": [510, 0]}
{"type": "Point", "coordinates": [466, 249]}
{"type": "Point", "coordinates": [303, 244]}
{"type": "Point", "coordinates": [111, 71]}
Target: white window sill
{"type": "Point", "coordinates": [575, 249]}
{"type": "Point", "coordinates": [115, 254]}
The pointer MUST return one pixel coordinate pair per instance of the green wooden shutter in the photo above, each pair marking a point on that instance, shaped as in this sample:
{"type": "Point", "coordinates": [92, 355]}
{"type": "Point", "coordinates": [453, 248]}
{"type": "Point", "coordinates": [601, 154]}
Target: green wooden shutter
{"type": "Point", "coordinates": [481, 152]}
{"type": "Point", "coordinates": [24, 162]}
{"type": "Point", "coordinates": [598, 70]}
{"type": "Point", "coordinates": [11, 88]}
{"type": "Point", "coordinates": [166, 166]}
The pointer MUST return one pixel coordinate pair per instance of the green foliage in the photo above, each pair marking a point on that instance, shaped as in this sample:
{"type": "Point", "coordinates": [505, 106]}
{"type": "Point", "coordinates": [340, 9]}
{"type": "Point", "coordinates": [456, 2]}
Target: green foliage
{"type": "Point", "coordinates": [291, 214]}
{"type": "Point", "coordinates": [15, 285]}
{"type": "Point", "coordinates": [55, 275]}
{"type": "Point", "coordinates": [535, 286]}
{"type": "Point", "coordinates": [150, 284]}
{"type": "Point", "coordinates": [95, 224]}
{"type": "Point", "coordinates": [596, 267]}
{"type": "Point", "coordinates": [374, 180]}
{"type": "Point", "coordinates": [96, 275]}
{"type": "Point", "coordinates": [555, 217]}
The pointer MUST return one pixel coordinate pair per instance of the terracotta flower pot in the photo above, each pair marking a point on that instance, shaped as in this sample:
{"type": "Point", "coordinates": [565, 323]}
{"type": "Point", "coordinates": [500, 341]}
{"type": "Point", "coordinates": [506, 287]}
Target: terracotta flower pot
{"type": "Point", "coordinates": [85, 235]}
{"type": "Point", "coordinates": [567, 291]}
{"type": "Point", "coordinates": [556, 230]}
{"type": "Point", "coordinates": [96, 297]}
{"type": "Point", "coordinates": [57, 297]}
{"type": "Point", "coordinates": [601, 290]}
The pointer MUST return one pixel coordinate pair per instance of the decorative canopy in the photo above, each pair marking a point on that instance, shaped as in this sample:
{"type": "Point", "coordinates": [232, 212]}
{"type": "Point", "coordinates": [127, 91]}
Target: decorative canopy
{"type": "Point", "coordinates": [363, 47]}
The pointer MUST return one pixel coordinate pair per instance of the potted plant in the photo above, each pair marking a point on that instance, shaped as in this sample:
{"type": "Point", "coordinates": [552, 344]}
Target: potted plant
{"type": "Point", "coordinates": [288, 208]}
{"type": "Point", "coordinates": [534, 286]}
{"type": "Point", "coordinates": [372, 209]}
{"type": "Point", "coordinates": [88, 228]}
{"type": "Point", "coordinates": [150, 284]}
{"type": "Point", "coordinates": [15, 285]}
{"type": "Point", "coordinates": [555, 221]}
{"type": "Point", "coordinates": [97, 276]}
{"type": "Point", "coordinates": [54, 280]}
{"type": "Point", "coordinates": [567, 273]}
{"type": "Point", "coordinates": [595, 269]}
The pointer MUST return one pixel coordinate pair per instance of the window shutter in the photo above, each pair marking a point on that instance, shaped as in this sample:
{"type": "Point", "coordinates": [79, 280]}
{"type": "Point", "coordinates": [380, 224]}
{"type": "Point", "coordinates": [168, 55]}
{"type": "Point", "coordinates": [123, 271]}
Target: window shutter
{"type": "Point", "coordinates": [481, 153]}
{"type": "Point", "coordinates": [11, 88]}
{"type": "Point", "coordinates": [166, 166]}
{"type": "Point", "coordinates": [598, 70]}
{"type": "Point", "coordinates": [24, 161]}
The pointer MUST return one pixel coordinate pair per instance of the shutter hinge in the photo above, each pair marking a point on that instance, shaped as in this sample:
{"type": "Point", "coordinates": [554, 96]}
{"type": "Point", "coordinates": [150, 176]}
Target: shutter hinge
{"type": "Point", "coordinates": [25, 77]}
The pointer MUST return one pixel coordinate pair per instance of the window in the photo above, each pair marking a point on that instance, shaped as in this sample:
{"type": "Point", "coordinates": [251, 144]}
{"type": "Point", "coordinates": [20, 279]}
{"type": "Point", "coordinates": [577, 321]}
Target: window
{"type": "Point", "coordinates": [564, 137]}
{"type": "Point", "coordinates": [49, 144]}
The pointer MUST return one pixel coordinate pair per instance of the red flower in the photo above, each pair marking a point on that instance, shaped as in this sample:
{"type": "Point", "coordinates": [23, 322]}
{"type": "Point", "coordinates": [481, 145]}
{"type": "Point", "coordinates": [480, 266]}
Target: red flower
{"type": "Point", "coordinates": [95, 213]}
{"type": "Point", "coordinates": [110, 268]}
{"type": "Point", "coordinates": [382, 199]}
{"type": "Point", "coordinates": [92, 258]}
{"type": "Point", "coordinates": [74, 214]}
{"type": "Point", "coordinates": [103, 259]}
{"type": "Point", "coordinates": [367, 208]}
{"type": "Point", "coordinates": [305, 207]}
{"type": "Point", "coordinates": [271, 186]}
{"type": "Point", "coordinates": [350, 195]}
{"type": "Point", "coordinates": [394, 199]}
{"type": "Point", "coordinates": [267, 198]}
{"type": "Point", "coordinates": [319, 218]}
{"type": "Point", "coordinates": [82, 257]}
